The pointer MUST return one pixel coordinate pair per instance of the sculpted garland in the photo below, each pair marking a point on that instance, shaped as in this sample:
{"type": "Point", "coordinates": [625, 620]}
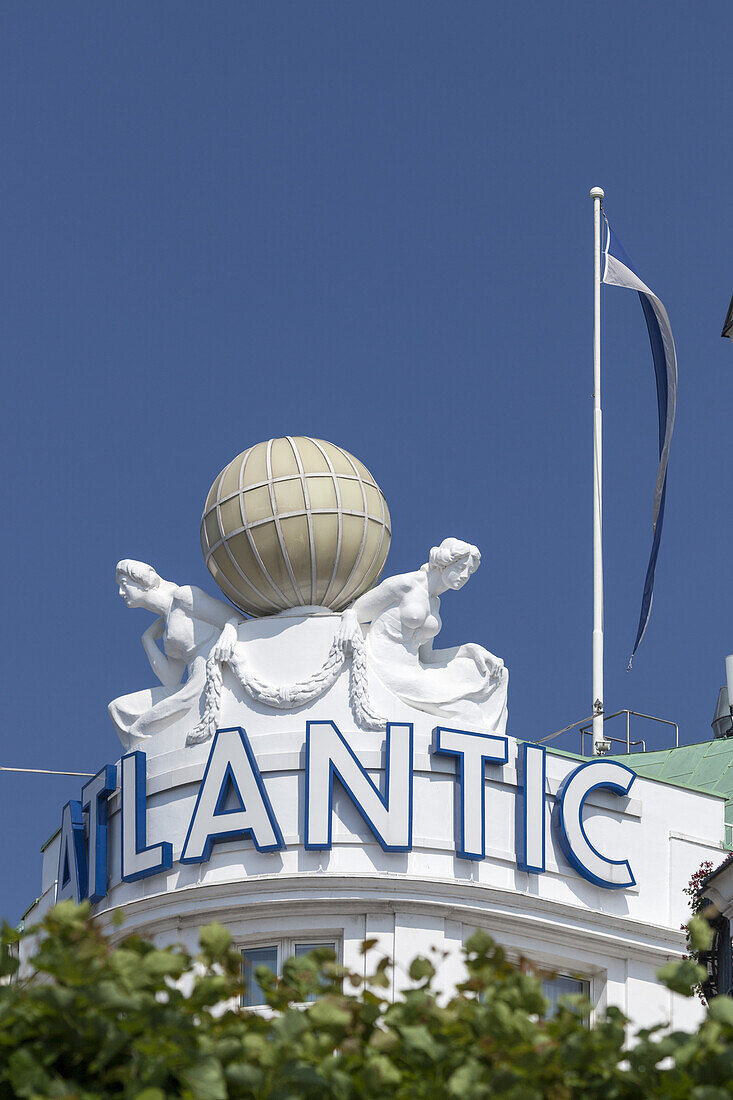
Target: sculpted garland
{"type": "Point", "coordinates": [387, 633]}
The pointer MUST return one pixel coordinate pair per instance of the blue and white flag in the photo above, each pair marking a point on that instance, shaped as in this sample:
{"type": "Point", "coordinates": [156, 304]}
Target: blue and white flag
{"type": "Point", "coordinates": [618, 270]}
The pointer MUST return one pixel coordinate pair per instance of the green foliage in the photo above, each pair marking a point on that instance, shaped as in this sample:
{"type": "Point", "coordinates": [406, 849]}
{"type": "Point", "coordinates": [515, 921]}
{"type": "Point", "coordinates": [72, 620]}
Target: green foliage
{"type": "Point", "coordinates": [134, 1021]}
{"type": "Point", "coordinates": [698, 932]}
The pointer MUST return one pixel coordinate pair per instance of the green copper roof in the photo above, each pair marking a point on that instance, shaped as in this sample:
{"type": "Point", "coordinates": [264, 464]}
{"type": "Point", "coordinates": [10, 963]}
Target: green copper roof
{"type": "Point", "coordinates": [707, 766]}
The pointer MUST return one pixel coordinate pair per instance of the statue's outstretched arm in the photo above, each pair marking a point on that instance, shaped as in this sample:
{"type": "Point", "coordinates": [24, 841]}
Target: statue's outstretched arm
{"type": "Point", "coordinates": [200, 605]}
{"type": "Point", "coordinates": [168, 670]}
{"type": "Point", "coordinates": [487, 663]}
{"type": "Point", "coordinates": [379, 599]}
{"type": "Point", "coordinates": [206, 608]}
{"type": "Point", "coordinates": [369, 606]}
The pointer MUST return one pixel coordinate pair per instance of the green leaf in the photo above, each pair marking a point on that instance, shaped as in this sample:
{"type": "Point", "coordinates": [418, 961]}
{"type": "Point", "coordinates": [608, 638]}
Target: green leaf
{"type": "Point", "coordinates": [243, 1076]}
{"type": "Point", "coordinates": [461, 1083]}
{"type": "Point", "coordinates": [205, 1078]}
{"type": "Point", "coordinates": [326, 1013]}
{"type": "Point", "coordinates": [26, 1075]}
{"type": "Point", "coordinates": [215, 941]}
{"type": "Point", "coordinates": [163, 964]}
{"type": "Point", "coordinates": [386, 1072]}
{"type": "Point", "coordinates": [380, 980]}
{"type": "Point", "coordinates": [417, 1038]}
{"type": "Point", "coordinates": [479, 943]}
{"type": "Point", "coordinates": [68, 915]}
{"type": "Point", "coordinates": [720, 1009]}
{"type": "Point", "coordinates": [8, 962]}
{"type": "Point", "coordinates": [8, 934]}
{"type": "Point", "coordinates": [421, 968]}
{"type": "Point", "coordinates": [682, 977]}
{"type": "Point", "coordinates": [701, 934]}
{"type": "Point", "coordinates": [292, 1024]}
{"type": "Point", "coordinates": [385, 1040]}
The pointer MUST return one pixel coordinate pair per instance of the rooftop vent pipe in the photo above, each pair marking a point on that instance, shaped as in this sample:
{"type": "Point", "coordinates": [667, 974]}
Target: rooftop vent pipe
{"type": "Point", "coordinates": [722, 722]}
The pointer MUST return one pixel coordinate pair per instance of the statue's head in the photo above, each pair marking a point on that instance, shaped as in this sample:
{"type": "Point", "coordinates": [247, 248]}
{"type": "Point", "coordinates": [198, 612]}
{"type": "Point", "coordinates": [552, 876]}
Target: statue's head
{"type": "Point", "coordinates": [135, 579]}
{"type": "Point", "coordinates": [455, 561]}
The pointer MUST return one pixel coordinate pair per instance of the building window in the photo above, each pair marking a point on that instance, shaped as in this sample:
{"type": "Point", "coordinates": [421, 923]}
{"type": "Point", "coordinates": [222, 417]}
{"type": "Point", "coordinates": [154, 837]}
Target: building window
{"type": "Point", "coordinates": [272, 956]}
{"type": "Point", "coordinates": [306, 948]}
{"type": "Point", "coordinates": [560, 986]}
{"type": "Point", "coordinates": [252, 957]}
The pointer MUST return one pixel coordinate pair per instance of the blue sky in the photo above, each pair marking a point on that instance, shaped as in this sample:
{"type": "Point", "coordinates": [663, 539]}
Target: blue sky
{"type": "Point", "coordinates": [367, 222]}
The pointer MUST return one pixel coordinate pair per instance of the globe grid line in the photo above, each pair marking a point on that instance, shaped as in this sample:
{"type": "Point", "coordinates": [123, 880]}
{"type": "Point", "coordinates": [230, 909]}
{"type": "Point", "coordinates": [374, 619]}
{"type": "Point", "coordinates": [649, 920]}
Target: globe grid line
{"type": "Point", "coordinates": [258, 595]}
{"type": "Point", "coordinates": [295, 477]}
{"type": "Point", "coordinates": [294, 515]}
{"type": "Point", "coordinates": [259, 600]}
{"type": "Point", "coordinates": [363, 533]}
{"type": "Point", "coordinates": [232, 559]}
{"type": "Point", "coordinates": [367, 520]}
{"type": "Point", "coordinates": [343, 511]}
{"type": "Point", "coordinates": [253, 546]}
{"type": "Point", "coordinates": [278, 528]}
{"type": "Point", "coordinates": [223, 580]}
{"type": "Point", "coordinates": [345, 591]}
{"type": "Point", "coordinates": [339, 523]}
{"type": "Point", "coordinates": [309, 517]}
{"type": "Point", "coordinates": [251, 541]}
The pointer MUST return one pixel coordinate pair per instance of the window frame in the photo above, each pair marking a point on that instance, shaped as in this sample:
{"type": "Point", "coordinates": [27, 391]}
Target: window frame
{"type": "Point", "coordinates": [285, 946]}
{"type": "Point", "coordinates": [585, 979]}
{"type": "Point", "coordinates": [545, 963]}
{"type": "Point", "coordinates": [259, 946]}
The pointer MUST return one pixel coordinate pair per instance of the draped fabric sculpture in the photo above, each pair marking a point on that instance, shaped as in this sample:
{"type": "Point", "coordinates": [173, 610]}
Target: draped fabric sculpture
{"type": "Point", "coordinates": [402, 617]}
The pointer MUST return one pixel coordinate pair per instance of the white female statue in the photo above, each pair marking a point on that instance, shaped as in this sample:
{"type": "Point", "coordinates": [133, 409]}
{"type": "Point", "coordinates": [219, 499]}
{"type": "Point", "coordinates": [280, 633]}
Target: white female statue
{"type": "Point", "coordinates": [402, 614]}
{"type": "Point", "coordinates": [193, 626]}
{"type": "Point", "coordinates": [199, 635]}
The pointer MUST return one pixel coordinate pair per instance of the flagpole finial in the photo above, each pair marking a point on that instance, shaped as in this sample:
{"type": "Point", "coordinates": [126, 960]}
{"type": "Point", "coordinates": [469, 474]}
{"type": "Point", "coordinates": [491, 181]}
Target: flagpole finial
{"type": "Point", "coordinates": [596, 192]}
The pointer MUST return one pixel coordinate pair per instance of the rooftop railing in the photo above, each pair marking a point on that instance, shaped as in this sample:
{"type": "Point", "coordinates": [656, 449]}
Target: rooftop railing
{"type": "Point", "coordinates": [585, 726]}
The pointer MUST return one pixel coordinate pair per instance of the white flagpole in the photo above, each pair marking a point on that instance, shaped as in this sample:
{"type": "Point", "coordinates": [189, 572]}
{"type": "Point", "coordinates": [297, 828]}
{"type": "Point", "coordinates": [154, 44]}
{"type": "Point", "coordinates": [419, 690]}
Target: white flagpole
{"type": "Point", "coordinates": [597, 711]}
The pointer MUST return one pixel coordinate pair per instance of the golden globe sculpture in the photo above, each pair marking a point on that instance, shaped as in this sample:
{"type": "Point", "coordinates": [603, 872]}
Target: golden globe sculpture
{"type": "Point", "coordinates": [295, 522]}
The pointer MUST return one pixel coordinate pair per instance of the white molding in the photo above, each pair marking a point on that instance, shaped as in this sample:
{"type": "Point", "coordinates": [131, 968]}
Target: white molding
{"type": "Point", "coordinates": [333, 895]}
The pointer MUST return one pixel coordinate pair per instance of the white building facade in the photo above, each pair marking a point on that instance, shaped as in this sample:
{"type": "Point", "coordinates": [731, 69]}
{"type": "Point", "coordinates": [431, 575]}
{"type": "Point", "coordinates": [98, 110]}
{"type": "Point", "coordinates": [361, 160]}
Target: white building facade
{"type": "Point", "coordinates": [320, 774]}
{"type": "Point", "coordinates": [426, 898]}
